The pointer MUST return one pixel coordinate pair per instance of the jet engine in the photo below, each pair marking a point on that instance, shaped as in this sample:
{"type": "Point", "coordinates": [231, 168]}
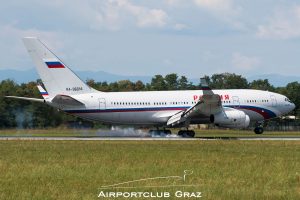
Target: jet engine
{"type": "Point", "coordinates": [231, 118]}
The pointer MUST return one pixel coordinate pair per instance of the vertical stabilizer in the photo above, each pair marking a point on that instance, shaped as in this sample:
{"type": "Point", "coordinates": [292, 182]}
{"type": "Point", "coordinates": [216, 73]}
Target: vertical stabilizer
{"type": "Point", "coordinates": [56, 76]}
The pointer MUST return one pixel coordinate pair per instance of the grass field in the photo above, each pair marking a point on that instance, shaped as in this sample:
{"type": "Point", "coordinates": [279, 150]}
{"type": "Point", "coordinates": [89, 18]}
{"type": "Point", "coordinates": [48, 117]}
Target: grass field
{"type": "Point", "coordinates": [98, 132]}
{"type": "Point", "coordinates": [221, 169]}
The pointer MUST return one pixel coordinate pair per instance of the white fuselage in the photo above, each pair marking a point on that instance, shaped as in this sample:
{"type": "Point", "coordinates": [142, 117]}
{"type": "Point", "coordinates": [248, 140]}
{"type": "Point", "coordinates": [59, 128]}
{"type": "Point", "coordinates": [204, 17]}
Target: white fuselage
{"type": "Point", "coordinates": [64, 90]}
{"type": "Point", "coordinates": [156, 107]}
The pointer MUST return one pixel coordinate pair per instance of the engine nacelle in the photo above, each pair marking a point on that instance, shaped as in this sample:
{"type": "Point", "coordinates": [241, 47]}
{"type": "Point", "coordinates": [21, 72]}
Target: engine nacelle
{"type": "Point", "coordinates": [231, 118]}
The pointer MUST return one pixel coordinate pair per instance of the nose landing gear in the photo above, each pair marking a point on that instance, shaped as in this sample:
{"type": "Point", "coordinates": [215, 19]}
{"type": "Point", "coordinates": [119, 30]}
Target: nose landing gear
{"type": "Point", "coordinates": [258, 130]}
{"type": "Point", "coordinates": [259, 127]}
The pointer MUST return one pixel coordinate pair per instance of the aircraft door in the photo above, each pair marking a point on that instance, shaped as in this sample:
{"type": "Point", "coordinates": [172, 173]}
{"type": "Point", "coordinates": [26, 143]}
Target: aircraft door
{"type": "Point", "coordinates": [102, 104]}
{"type": "Point", "coordinates": [236, 101]}
{"type": "Point", "coordinates": [273, 100]}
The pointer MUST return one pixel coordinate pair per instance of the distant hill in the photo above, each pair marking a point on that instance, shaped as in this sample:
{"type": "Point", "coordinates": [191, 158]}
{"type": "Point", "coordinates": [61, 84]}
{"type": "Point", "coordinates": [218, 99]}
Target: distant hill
{"type": "Point", "coordinates": [31, 75]}
{"type": "Point", "coordinates": [19, 76]}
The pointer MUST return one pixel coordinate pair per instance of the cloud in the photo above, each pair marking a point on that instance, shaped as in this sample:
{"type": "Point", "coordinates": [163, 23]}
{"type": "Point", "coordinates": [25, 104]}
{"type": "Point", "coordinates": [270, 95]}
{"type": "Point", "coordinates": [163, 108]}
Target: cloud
{"type": "Point", "coordinates": [175, 2]}
{"type": "Point", "coordinates": [106, 14]}
{"type": "Point", "coordinates": [16, 34]}
{"type": "Point", "coordinates": [145, 17]}
{"type": "Point", "coordinates": [151, 18]}
{"type": "Point", "coordinates": [218, 6]}
{"type": "Point", "coordinates": [284, 24]}
{"type": "Point", "coordinates": [112, 14]}
{"type": "Point", "coordinates": [226, 11]}
{"type": "Point", "coordinates": [244, 63]}
{"type": "Point", "coordinates": [12, 48]}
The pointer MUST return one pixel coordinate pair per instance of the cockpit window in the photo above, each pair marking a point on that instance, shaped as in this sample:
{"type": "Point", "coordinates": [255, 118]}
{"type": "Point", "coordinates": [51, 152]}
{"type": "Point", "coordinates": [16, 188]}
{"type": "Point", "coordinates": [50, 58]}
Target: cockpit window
{"type": "Point", "coordinates": [286, 99]}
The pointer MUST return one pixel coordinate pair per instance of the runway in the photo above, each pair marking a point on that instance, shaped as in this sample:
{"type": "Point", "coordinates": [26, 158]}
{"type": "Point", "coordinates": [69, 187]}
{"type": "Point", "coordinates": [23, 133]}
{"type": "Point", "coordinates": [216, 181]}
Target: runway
{"type": "Point", "coordinates": [147, 138]}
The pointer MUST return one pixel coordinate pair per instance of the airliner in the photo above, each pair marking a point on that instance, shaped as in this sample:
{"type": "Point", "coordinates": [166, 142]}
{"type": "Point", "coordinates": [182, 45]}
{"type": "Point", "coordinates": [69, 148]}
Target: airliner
{"type": "Point", "coordinates": [230, 108]}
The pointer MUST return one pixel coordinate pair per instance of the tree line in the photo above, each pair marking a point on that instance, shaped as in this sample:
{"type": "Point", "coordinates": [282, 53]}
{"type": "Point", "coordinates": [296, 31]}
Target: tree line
{"type": "Point", "coordinates": [25, 114]}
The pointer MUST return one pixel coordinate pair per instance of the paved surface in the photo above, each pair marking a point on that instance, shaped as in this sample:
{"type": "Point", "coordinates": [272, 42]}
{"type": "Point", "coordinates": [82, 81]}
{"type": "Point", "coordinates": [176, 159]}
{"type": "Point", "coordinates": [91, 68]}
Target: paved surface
{"type": "Point", "coordinates": [146, 138]}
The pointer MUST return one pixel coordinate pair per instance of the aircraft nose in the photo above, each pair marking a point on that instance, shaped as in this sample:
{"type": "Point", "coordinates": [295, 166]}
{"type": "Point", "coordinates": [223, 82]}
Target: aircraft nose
{"type": "Point", "coordinates": [293, 106]}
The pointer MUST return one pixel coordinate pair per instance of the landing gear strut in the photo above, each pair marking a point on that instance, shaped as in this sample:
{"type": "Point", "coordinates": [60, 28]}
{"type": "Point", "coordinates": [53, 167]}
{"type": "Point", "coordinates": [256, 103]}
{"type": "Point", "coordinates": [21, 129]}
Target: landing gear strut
{"type": "Point", "coordinates": [186, 133]}
{"type": "Point", "coordinates": [259, 129]}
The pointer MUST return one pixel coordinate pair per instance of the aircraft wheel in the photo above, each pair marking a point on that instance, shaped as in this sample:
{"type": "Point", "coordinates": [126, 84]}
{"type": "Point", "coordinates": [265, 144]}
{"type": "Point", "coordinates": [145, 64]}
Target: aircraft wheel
{"type": "Point", "coordinates": [181, 133]}
{"type": "Point", "coordinates": [191, 133]}
{"type": "Point", "coordinates": [186, 133]}
{"type": "Point", "coordinates": [259, 130]}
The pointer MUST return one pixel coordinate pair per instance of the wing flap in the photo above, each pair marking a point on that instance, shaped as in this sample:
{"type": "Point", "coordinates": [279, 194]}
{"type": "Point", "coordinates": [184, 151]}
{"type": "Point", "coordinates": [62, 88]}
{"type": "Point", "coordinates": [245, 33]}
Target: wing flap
{"type": "Point", "coordinates": [175, 119]}
{"type": "Point", "coordinates": [65, 100]}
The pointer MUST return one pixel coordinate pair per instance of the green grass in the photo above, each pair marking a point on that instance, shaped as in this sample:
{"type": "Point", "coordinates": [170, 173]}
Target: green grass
{"type": "Point", "coordinates": [244, 133]}
{"type": "Point", "coordinates": [94, 132]}
{"type": "Point", "coordinates": [77, 169]}
{"type": "Point", "coordinates": [52, 132]}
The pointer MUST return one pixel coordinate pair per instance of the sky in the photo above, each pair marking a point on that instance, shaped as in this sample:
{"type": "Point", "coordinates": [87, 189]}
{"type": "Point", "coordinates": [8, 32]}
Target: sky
{"type": "Point", "coordinates": [139, 37]}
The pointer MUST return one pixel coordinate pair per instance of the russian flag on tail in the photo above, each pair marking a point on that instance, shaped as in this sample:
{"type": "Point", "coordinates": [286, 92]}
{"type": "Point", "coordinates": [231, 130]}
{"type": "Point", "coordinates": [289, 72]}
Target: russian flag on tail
{"type": "Point", "coordinates": [54, 64]}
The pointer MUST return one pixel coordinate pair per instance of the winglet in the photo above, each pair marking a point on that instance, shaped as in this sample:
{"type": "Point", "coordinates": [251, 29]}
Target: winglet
{"type": "Point", "coordinates": [43, 92]}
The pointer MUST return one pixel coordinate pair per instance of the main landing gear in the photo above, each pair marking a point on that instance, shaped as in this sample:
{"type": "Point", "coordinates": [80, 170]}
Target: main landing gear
{"type": "Point", "coordinates": [165, 132]}
{"type": "Point", "coordinates": [186, 133]}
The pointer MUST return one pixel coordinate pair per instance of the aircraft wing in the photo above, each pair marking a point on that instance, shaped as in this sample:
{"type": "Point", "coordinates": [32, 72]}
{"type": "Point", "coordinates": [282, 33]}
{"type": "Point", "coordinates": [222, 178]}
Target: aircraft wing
{"type": "Point", "coordinates": [42, 91]}
{"type": "Point", "coordinates": [209, 104]}
{"type": "Point", "coordinates": [60, 100]}
{"type": "Point", "coordinates": [26, 98]}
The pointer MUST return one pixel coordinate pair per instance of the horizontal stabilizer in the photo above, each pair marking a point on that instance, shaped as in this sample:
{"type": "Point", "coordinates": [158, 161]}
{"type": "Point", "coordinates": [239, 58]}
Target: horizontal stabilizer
{"type": "Point", "coordinates": [26, 98]}
{"type": "Point", "coordinates": [65, 100]}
